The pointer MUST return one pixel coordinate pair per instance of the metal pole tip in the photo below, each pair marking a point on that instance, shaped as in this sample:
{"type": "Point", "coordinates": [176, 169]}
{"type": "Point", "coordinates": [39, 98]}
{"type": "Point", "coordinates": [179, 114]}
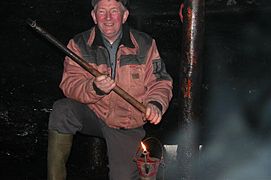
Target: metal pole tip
{"type": "Point", "coordinates": [30, 22]}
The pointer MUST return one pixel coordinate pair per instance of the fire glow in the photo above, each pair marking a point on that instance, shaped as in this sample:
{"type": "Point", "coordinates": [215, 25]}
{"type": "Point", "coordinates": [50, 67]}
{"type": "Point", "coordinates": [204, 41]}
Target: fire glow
{"type": "Point", "coordinates": [145, 153]}
{"type": "Point", "coordinates": [143, 147]}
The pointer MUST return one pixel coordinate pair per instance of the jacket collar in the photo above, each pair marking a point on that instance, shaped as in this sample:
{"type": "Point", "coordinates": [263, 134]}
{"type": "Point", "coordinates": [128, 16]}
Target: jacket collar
{"type": "Point", "coordinates": [125, 40]}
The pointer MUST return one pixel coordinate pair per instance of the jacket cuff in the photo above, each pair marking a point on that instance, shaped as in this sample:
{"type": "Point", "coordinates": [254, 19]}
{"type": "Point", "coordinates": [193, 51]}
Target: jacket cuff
{"type": "Point", "coordinates": [157, 104]}
{"type": "Point", "coordinates": [98, 91]}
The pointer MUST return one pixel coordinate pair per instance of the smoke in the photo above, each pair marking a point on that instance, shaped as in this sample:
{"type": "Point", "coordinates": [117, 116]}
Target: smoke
{"type": "Point", "coordinates": [237, 144]}
{"type": "Point", "coordinates": [233, 149]}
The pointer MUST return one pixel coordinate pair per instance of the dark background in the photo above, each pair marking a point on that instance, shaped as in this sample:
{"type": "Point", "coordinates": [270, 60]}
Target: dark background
{"type": "Point", "coordinates": [236, 84]}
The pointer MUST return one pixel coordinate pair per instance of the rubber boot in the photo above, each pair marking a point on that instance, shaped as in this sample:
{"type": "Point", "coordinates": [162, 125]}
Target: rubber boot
{"type": "Point", "coordinates": [59, 147]}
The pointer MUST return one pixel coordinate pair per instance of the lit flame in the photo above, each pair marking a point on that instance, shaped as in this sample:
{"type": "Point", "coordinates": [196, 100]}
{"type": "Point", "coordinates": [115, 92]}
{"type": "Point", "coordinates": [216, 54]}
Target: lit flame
{"type": "Point", "coordinates": [144, 147]}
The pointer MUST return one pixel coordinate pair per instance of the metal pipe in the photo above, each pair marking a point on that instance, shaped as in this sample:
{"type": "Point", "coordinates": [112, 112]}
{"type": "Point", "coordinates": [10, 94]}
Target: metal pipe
{"type": "Point", "coordinates": [190, 83]}
{"type": "Point", "coordinates": [83, 63]}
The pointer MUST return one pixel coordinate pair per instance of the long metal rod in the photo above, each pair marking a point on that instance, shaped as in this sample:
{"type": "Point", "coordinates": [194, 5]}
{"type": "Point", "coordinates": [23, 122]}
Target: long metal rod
{"type": "Point", "coordinates": [190, 81]}
{"type": "Point", "coordinates": [83, 63]}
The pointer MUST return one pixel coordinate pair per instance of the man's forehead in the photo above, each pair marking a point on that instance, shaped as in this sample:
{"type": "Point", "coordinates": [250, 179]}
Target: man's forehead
{"type": "Point", "coordinates": [124, 2]}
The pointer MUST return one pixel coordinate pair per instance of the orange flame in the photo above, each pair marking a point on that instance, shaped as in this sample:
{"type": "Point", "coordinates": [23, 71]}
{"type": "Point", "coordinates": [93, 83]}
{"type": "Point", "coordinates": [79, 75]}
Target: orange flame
{"type": "Point", "coordinates": [143, 146]}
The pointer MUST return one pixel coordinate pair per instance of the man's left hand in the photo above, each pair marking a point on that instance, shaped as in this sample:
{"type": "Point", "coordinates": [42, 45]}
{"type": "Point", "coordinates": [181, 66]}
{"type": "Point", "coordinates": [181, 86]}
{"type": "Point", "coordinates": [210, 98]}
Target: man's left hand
{"type": "Point", "coordinates": [153, 114]}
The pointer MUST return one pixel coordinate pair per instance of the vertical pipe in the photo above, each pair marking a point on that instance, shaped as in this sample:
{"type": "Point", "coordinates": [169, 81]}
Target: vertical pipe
{"type": "Point", "coordinates": [190, 85]}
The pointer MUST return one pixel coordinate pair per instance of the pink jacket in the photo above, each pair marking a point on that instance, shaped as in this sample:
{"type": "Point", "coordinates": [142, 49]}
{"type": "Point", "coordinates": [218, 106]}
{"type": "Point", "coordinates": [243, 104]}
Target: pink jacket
{"type": "Point", "coordinates": [139, 71]}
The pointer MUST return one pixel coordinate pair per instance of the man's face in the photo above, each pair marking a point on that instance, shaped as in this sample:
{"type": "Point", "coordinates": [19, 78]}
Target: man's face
{"type": "Point", "coordinates": [109, 15]}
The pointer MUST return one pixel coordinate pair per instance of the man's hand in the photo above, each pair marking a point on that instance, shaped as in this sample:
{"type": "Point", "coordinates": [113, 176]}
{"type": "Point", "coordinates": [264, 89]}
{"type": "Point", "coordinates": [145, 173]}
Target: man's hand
{"type": "Point", "coordinates": [104, 83]}
{"type": "Point", "coordinates": [153, 114]}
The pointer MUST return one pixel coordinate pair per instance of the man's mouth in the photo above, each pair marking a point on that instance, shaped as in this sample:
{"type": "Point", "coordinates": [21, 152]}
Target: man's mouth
{"type": "Point", "coordinates": [109, 24]}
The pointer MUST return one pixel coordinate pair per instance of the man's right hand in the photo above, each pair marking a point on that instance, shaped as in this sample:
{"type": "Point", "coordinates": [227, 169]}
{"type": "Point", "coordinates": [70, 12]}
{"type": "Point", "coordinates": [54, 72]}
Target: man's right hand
{"type": "Point", "coordinates": [104, 83]}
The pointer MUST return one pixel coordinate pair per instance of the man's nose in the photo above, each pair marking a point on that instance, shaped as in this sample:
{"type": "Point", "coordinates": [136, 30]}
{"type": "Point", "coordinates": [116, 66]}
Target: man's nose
{"type": "Point", "coordinates": [108, 16]}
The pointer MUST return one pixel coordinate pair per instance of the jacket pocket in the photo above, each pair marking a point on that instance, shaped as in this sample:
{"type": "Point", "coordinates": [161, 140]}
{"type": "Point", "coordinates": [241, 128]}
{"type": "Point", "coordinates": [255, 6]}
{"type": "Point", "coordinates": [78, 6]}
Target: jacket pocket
{"type": "Point", "coordinates": [137, 80]}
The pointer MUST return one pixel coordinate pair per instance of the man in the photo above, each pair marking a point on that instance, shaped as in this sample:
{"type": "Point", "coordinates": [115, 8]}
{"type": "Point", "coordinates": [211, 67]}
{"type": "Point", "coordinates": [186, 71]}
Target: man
{"type": "Point", "coordinates": [126, 57]}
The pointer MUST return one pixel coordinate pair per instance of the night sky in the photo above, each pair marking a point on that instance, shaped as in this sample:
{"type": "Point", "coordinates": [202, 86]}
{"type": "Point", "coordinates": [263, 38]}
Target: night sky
{"type": "Point", "coordinates": [235, 90]}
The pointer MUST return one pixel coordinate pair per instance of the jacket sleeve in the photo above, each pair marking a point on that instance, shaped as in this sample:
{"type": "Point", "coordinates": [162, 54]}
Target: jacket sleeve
{"type": "Point", "coordinates": [76, 82]}
{"type": "Point", "coordinates": [157, 80]}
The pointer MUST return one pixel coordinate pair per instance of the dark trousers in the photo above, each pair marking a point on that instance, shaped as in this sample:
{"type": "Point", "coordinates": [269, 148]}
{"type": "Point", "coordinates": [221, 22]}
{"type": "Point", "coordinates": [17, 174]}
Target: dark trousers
{"type": "Point", "coordinates": [69, 116]}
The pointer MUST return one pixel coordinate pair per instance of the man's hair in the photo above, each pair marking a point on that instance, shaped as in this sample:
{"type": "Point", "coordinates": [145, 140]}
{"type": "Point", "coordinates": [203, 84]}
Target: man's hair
{"type": "Point", "coordinates": [123, 2]}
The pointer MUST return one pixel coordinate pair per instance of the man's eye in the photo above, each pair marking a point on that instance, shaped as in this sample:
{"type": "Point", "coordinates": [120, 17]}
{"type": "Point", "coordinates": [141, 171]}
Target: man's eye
{"type": "Point", "coordinates": [101, 12]}
{"type": "Point", "coordinates": [113, 11]}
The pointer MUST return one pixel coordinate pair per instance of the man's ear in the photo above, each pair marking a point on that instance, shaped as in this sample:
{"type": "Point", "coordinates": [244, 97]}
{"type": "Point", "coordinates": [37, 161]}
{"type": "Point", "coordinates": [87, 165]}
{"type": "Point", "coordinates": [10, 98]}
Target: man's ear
{"type": "Point", "coordinates": [125, 16]}
{"type": "Point", "coordinates": [93, 15]}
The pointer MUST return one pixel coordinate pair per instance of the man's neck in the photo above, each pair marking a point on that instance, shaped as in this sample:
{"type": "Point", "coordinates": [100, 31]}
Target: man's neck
{"type": "Point", "coordinates": [111, 41]}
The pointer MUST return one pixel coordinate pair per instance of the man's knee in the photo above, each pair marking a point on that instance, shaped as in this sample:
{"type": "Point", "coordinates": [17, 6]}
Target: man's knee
{"type": "Point", "coordinates": [61, 104]}
{"type": "Point", "coordinates": [63, 117]}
